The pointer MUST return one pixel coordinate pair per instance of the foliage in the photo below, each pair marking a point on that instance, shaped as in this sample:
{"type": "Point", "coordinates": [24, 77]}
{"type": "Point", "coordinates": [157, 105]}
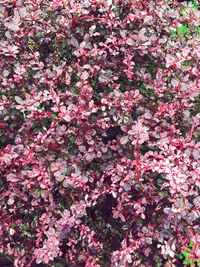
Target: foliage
{"type": "Point", "coordinates": [185, 255]}
{"type": "Point", "coordinates": [99, 131]}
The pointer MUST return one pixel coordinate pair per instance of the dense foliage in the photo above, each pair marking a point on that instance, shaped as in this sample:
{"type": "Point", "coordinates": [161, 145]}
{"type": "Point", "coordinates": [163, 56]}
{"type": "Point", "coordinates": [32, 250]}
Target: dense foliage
{"type": "Point", "coordinates": [99, 128]}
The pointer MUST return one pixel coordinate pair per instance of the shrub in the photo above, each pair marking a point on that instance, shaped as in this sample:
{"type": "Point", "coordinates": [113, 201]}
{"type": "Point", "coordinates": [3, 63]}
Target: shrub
{"type": "Point", "coordinates": [99, 132]}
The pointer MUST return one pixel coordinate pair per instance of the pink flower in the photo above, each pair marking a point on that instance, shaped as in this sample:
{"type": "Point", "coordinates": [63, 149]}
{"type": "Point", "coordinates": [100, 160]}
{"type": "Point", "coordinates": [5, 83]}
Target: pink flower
{"type": "Point", "coordinates": [56, 3]}
{"type": "Point", "coordinates": [139, 132]}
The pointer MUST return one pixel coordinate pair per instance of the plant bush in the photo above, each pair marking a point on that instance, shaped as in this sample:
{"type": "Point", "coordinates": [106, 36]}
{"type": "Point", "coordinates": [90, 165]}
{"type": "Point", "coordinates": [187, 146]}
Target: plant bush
{"type": "Point", "coordinates": [99, 106]}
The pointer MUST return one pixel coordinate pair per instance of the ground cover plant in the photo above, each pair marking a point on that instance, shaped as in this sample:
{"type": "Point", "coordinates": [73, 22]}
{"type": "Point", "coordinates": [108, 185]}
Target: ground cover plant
{"type": "Point", "coordinates": [99, 131]}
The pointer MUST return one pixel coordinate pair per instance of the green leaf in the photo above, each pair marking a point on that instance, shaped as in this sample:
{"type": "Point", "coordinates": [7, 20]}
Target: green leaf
{"type": "Point", "coordinates": [40, 192]}
{"type": "Point", "coordinates": [180, 256]}
{"type": "Point", "coordinates": [191, 244]}
{"type": "Point", "coordinates": [182, 30]}
{"type": "Point", "coordinates": [154, 148]}
{"type": "Point", "coordinates": [158, 263]}
{"type": "Point", "coordinates": [190, 262]}
{"type": "Point", "coordinates": [195, 5]}
{"type": "Point", "coordinates": [72, 139]}
{"type": "Point", "coordinates": [59, 264]}
{"type": "Point", "coordinates": [164, 194]}
{"type": "Point", "coordinates": [116, 8]}
{"type": "Point", "coordinates": [173, 31]}
{"type": "Point", "coordinates": [54, 116]}
{"type": "Point", "coordinates": [64, 43]}
{"type": "Point", "coordinates": [2, 139]}
{"type": "Point", "coordinates": [186, 254]}
{"type": "Point", "coordinates": [143, 90]}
